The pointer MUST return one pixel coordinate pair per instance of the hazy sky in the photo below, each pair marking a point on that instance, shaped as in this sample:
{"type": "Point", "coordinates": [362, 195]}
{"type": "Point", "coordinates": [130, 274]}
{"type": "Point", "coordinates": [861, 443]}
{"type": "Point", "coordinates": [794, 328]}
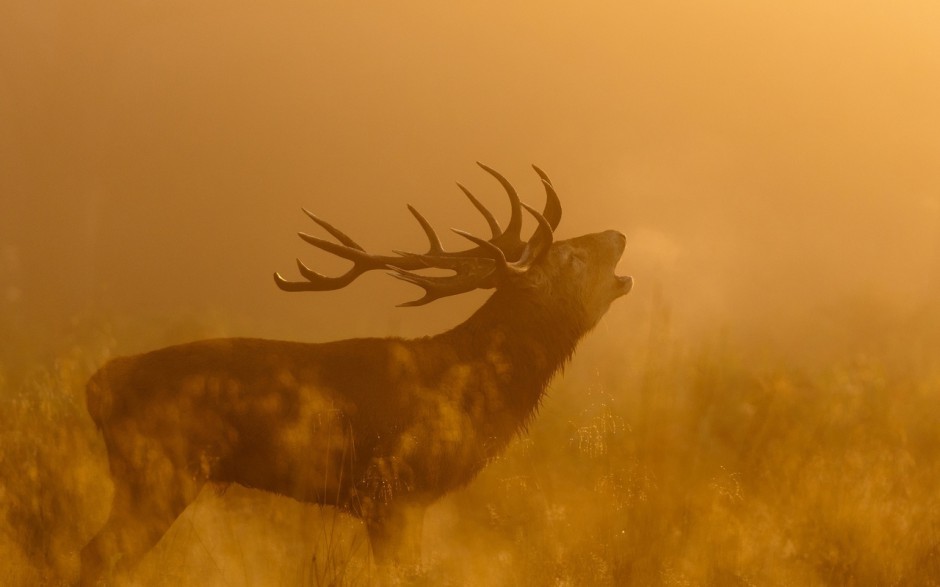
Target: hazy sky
{"type": "Point", "coordinates": [764, 158]}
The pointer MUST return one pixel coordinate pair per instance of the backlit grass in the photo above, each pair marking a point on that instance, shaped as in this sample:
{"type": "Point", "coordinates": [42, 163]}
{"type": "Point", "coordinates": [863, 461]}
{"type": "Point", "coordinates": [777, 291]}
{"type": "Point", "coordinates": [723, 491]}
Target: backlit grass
{"type": "Point", "coordinates": [658, 459]}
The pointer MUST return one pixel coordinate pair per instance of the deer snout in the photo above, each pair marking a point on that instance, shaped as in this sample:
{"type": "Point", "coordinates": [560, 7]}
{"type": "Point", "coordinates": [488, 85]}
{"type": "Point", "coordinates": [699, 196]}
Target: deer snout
{"type": "Point", "coordinates": [617, 238]}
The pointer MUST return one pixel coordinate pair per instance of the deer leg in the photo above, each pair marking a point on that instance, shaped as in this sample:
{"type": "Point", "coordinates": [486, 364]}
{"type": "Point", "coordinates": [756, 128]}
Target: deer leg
{"type": "Point", "coordinates": [147, 500]}
{"type": "Point", "coordinates": [395, 533]}
{"type": "Point", "coordinates": [135, 526]}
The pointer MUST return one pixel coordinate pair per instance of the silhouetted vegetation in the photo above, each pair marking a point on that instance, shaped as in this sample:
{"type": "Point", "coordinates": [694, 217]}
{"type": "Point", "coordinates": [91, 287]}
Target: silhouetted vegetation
{"type": "Point", "coordinates": [657, 460]}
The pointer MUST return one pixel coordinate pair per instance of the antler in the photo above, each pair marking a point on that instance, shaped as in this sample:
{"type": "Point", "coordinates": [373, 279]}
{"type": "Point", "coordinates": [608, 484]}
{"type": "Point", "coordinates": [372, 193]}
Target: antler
{"type": "Point", "coordinates": [504, 255]}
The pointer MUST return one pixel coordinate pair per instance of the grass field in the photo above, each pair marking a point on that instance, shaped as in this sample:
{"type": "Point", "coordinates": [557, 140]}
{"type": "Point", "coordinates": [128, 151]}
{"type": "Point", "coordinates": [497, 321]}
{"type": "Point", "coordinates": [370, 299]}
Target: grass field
{"type": "Point", "coordinates": [659, 458]}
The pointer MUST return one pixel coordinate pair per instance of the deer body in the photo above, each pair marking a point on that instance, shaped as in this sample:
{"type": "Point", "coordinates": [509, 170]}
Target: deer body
{"type": "Point", "coordinates": [378, 427]}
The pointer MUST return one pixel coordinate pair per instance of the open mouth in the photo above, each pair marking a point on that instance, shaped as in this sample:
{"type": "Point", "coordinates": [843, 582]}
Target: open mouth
{"type": "Point", "coordinates": [624, 284]}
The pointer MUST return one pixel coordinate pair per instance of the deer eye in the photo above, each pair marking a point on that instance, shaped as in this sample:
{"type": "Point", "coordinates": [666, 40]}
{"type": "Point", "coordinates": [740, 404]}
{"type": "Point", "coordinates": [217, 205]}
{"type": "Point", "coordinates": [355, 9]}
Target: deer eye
{"type": "Point", "coordinates": [577, 261]}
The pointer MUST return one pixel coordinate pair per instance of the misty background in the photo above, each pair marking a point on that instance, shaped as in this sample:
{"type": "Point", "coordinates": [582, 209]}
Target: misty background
{"type": "Point", "coordinates": [770, 163]}
{"type": "Point", "coordinates": [762, 406]}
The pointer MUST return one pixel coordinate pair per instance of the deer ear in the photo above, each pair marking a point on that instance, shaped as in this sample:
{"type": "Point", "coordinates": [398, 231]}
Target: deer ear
{"type": "Point", "coordinates": [534, 279]}
{"type": "Point", "coordinates": [576, 262]}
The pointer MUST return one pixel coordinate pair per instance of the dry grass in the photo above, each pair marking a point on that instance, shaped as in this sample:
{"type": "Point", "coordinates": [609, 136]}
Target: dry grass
{"type": "Point", "coordinates": [658, 460]}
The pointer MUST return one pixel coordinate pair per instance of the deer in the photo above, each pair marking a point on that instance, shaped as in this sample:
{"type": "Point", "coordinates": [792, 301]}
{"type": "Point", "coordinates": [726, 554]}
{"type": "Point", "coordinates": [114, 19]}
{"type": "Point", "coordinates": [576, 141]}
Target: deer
{"type": "Point", "coordinates": [379, 428]}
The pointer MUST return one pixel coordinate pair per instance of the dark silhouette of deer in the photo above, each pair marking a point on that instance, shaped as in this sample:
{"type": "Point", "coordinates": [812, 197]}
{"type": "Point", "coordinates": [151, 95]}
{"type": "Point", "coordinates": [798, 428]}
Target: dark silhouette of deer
{"type": "Point", "coordinates": [379, 427]}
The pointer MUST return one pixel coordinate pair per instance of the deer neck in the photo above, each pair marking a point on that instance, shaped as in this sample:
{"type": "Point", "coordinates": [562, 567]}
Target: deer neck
{"type": "Point", "coordinates": [514, 344]}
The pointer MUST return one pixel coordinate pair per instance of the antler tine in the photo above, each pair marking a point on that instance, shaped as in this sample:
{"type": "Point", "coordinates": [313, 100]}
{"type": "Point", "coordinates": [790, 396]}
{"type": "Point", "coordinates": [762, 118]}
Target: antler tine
{"type": "Point", "coordinates": [437, 254]}
{"type": "Point", "coordinates": [435, 242]}
{"type": "Point", "coordinates": [552, 210]}
{"type": "Point", "coordinates": [540, 242]}
{"type": "Point", "coordinates": [495, 252]}
{"type": "Point", "coordinates": [316, 281]}
{"type": "Point", "coordinates": [473, 275]}
{"type": "Point", "coordinates": [286, 285]}
{"type": "Point", "coordinates": [344, 251]}
{"type": "Point", "coordinates": [508, 241]}
{"type": "Point", "coordinates": [490, 220]}
{"type": "Point", "coordinates": [350, 250]}
{"type": "Point", "coordinates": [337, 233]}
{"type": "Point", "coordinates": [510, 238]}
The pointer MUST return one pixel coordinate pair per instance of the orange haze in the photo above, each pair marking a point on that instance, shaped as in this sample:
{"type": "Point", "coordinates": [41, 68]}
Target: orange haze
{"type": "Point", "coordinates": [774, 165]}
{"type": "Point", "coordinates": [764, 160]}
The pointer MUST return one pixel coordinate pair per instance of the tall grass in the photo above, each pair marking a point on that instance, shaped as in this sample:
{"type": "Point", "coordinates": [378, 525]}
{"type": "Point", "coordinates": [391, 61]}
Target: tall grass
{"type": "Point", "coordinates": [659, 459]}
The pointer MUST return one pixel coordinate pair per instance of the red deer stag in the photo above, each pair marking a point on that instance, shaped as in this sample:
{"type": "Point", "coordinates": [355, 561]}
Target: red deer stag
{"type": "Point", "coordinates": [379, 427]}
